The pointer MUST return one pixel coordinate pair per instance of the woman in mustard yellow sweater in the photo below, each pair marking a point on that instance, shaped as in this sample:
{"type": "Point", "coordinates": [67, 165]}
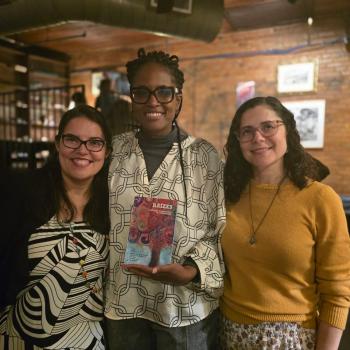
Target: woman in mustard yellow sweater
{"type": "Point", "coordinates": [286, 244]}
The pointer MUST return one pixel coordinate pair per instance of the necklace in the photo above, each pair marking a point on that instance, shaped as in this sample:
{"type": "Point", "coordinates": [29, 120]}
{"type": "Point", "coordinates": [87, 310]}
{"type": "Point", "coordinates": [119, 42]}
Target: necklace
{"type": "Point", "coordinates": [252, 239]}
{"type": "Point", "coordinates": [82, 261]}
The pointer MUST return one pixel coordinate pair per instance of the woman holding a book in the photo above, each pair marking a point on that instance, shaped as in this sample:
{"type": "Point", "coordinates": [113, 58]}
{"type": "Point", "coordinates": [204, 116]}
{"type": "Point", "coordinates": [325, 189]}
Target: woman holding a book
{"type": "Point", "coordinates": [167, 213]}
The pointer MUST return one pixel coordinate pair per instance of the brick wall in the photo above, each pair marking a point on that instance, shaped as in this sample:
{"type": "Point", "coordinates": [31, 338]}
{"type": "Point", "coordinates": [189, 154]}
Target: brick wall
{"type": "Point", "coordinates": [213, 70]}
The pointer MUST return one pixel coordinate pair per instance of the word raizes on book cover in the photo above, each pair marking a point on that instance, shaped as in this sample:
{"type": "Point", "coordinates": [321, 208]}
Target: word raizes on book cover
{"type": "Point", "coordinates": [150, 240]}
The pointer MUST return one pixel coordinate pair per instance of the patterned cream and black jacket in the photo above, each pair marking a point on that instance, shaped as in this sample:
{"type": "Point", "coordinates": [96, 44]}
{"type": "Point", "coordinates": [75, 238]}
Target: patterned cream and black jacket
{"type": "Point", "coordinates": [197, 231]}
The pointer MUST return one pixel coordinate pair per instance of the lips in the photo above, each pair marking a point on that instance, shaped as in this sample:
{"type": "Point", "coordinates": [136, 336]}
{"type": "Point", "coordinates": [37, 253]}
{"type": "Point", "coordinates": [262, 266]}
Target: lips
{"type": "Point", "coordinates": [260, 150]}
{"type": "Point", "coordinates": [81, 162]}
{"type": "Point", "coordinates": [154, 115]}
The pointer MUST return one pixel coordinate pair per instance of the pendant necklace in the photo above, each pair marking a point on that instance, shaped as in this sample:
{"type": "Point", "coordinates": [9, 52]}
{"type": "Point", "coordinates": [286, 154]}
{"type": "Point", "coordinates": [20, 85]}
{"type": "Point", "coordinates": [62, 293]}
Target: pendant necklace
{"type": "Point", "coordinates": [252, 239]}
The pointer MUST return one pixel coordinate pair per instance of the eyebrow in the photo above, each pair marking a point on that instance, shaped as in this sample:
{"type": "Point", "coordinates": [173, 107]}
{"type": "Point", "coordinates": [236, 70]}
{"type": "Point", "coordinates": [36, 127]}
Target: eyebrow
{"type": "Point", "coordinates": [90, 138]}
{"type": "Point", "coordinates": [265, 121]}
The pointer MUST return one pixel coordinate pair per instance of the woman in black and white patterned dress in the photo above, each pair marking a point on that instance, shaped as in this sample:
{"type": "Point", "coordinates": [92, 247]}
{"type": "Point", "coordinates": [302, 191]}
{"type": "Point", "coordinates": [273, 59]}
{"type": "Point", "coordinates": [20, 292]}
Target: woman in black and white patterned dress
{"type": "Point", "coordinates": [55, 248]}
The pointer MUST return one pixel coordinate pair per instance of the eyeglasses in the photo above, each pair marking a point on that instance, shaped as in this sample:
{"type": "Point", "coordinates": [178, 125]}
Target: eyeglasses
{"type": "Point", "coordinates": [163, 94]}
{"type": "Point", "coordinates": [266, 129]}
{"type": "Point", "coordinates": [74, 142]}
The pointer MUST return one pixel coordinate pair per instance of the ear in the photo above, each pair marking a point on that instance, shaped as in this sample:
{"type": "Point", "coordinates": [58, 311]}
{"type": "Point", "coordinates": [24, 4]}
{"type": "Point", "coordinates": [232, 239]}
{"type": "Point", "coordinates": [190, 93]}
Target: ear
{"type": "Point", "coordinates": [178, 102]}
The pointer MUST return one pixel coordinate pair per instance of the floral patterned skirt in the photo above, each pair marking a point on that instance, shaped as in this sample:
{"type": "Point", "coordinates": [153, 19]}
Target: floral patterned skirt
{"type": "Point", "coordinates": [265, 336]}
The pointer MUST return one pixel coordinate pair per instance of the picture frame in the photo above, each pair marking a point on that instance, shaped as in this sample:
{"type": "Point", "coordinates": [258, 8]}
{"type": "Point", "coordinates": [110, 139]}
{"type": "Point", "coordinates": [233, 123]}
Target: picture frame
{"type": "Point", "coordinates": [244, 91]}
{"type": "Point", "coordinates": [297, 77]}
{"type": "Point", "coordinates": [309, 116]}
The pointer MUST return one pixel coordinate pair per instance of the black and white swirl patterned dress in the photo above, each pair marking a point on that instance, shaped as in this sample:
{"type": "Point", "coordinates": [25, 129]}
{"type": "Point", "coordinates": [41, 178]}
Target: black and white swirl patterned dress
{"type": "Point", "coordinates": [62, 305]}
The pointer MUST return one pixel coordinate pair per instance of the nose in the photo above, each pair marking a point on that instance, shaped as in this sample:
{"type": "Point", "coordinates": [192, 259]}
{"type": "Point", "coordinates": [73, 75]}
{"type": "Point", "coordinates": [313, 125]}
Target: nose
{"type": "Point", "coordinates": [82, 149]}
{"type": "Point", "coordinates": [258, 135]}
{"type": "Point", "coordinates": [152, 101]}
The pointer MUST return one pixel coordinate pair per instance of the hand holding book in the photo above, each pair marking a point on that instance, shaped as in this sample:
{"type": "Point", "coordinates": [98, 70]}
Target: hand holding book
{"type": "Point", "coordinates": [171, 273]}
{"type": "Point", "coordinates": [149, 248]}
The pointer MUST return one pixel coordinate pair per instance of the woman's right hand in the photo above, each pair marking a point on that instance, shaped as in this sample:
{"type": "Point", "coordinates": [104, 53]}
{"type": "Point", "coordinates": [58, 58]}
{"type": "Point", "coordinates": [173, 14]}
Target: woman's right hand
{"type": "Point", "coordinates": [171, 273]}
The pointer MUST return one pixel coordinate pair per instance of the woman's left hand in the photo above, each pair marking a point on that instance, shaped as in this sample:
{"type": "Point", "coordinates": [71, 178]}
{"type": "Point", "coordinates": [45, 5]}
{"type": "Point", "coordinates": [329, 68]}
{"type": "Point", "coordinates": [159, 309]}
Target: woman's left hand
{"type": "Point", "coordinates": [170, 273]}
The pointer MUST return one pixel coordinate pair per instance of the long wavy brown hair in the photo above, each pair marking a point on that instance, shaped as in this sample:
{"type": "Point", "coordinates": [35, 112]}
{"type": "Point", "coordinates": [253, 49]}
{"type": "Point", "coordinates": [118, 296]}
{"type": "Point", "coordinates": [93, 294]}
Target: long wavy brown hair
{"type": "Point", "coordinates": [299, 165]}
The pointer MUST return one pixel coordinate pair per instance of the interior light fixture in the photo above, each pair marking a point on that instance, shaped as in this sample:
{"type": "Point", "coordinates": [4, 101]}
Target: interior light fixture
{"type": "Point", "coordinates": [21, 69]}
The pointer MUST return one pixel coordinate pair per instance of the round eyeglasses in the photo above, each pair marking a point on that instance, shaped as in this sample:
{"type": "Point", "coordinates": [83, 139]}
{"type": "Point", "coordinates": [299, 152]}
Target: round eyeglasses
{"type": "Point", "coordinates": [74, 142]}
{"type": "Point", "coordinates": [163, 94]}
{"type": "Point", "coordinates": [267, 129]}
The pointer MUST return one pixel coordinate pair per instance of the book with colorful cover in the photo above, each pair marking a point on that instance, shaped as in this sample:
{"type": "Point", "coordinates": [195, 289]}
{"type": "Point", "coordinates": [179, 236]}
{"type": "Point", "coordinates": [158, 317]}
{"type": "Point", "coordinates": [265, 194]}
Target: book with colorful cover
{"type": "Point", "coordinates": [151, 233]}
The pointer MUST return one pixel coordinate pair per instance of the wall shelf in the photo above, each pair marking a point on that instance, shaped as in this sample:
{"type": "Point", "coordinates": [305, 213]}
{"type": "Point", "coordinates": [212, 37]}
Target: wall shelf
{"type": "Point", "coordinates": [34, 93]}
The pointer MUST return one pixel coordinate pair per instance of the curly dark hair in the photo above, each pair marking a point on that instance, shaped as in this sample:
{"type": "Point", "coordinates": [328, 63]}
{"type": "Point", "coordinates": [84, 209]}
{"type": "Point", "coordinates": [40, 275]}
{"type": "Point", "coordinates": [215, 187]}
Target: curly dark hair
{"type": "Point", "coordinates": [299, 165]}
{"type": "Point", "coordinates": [96, 209]}
{"type": "Point", "coordinates": [163, 58]}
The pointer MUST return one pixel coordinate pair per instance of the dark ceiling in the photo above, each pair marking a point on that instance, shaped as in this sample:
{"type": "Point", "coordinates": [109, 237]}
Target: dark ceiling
{"type": "Point", "coordinates": [76, 37]}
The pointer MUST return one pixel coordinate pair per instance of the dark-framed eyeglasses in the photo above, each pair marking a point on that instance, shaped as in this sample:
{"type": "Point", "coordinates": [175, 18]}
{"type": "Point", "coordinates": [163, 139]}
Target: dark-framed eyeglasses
{"type": "Point", "coordinates": [94, 144]}
{"type": "Point", "coordinates": [163, 94]}
{"type": "Point", "coordinates": [267, 129]}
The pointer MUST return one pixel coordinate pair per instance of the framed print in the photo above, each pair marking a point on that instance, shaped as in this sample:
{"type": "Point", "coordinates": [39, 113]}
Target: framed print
{"type": "Point", "coordinates": [309, 117]}
{"type": "Point", "coordinates": [244, 91]}
{"type": "Point", "coordinates": [299, 77]}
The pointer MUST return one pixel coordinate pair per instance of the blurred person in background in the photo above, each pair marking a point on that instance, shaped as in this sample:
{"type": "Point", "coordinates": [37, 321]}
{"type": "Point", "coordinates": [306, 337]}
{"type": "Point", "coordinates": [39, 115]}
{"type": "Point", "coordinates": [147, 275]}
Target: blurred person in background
{"type": "Point", "coordinates": [120, 118]}
{"type": "Point", "coordinates": [105, 100]}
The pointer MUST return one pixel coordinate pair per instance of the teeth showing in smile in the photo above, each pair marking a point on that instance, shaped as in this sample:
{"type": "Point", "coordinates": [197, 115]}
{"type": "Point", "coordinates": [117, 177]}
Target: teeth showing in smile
{"type": "Point", "coordinates": [154, 115]}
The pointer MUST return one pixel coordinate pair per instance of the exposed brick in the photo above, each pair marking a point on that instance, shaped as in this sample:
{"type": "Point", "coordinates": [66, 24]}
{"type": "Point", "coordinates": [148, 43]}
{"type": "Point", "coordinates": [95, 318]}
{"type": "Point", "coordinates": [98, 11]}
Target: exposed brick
{"type": "Point", "coordinates": [209, 91]}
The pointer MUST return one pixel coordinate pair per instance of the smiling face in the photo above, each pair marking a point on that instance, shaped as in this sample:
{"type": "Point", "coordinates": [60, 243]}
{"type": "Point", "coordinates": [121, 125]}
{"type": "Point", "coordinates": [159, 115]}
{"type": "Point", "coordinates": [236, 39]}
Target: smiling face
{"type": "Point", "coordinates": [81, 165]}
{"type": "Point", "coordinates": [155, 118]}
{"type": "Point", "coordinates": [265, 154]}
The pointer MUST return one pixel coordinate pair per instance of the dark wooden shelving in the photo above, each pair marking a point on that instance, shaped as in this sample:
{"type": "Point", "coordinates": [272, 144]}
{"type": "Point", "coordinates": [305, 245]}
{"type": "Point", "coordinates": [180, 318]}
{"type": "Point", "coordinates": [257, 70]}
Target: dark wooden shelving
{"type": "Point", "coordinates": [24, 155]}
{"type": "Point", "coordinates": [34, 93]}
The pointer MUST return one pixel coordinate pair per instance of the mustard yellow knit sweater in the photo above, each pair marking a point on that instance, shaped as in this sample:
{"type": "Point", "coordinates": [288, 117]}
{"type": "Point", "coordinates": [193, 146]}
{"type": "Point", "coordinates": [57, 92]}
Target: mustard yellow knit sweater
{"type": "Point", "coordinates": [299, 268]}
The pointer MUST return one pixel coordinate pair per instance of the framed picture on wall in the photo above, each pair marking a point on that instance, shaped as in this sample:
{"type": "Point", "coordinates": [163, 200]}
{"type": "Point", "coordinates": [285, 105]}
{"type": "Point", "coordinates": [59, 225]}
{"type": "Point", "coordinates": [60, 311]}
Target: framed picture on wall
{"type": "Point", "coordinates": [244, 91]}
{"type": "Point", "coordinates": [309, 117]}
{"type": "Point", "coordinates": [298, 77]}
